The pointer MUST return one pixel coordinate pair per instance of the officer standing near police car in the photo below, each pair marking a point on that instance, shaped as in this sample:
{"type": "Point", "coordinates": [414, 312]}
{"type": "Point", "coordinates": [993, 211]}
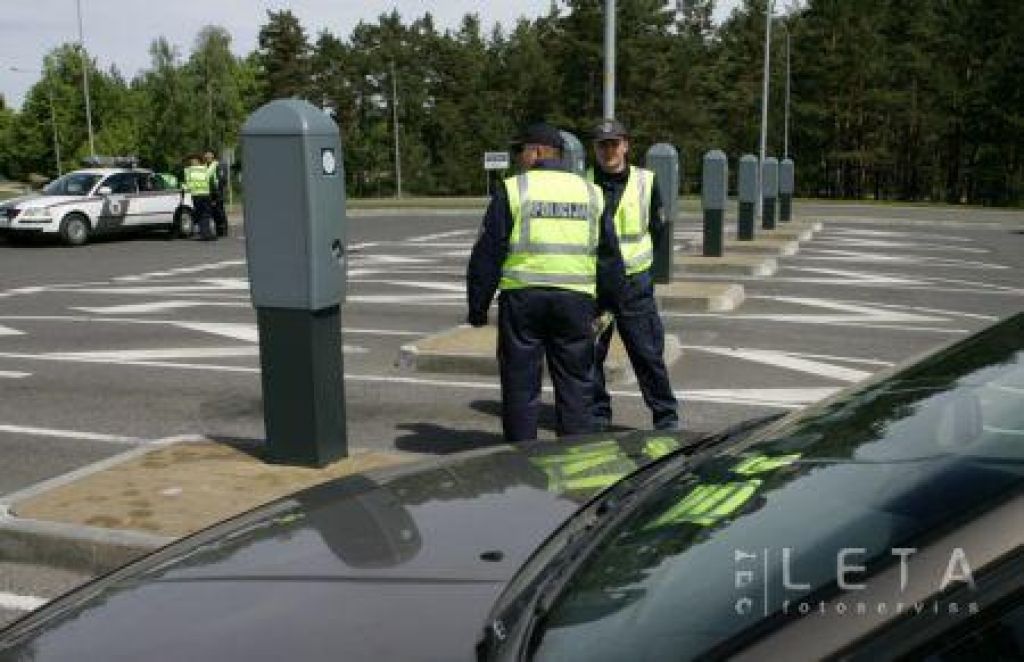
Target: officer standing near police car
{"type": "Point", "coordinates": [197, 183]}
{"type": "Point", "coordinates": [218, 183]}
{"type": "Point", "coordinates": [538, 244]}
{"type": "Point", "coordinates": [633, 213]}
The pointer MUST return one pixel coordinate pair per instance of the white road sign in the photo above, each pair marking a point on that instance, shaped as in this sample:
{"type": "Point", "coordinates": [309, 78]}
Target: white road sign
{"type": "Point", "coordinates": [496, 160]}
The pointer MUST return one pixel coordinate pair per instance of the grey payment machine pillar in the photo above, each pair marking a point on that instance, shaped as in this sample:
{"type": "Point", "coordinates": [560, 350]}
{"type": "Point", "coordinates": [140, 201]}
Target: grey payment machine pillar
{"type": "Point", "coordinates": [769, 191]}
{"type": "Point", "coordinates": [295, 244]}
{"type": "Point", "coordinates": [787, 183]}
{"type": "Point", "coordinates": [714, 190]}
{"type": "Point", "coordinates": [574, 159]}
{"type": "Point", "coordinates": [747, 185]}
{"type": "Point", "coordinates": [663, 160]}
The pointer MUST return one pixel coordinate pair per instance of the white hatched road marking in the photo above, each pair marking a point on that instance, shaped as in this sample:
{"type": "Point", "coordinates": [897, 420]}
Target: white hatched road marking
{"type": "Point", "coordinates": [787, 398]}
{"type": "Point", "coordinates": [828, 255]}
{"type": "Point", "coordinates": [442, 235]}
{"type": "Point", "coordinates": [14, 602]}
{"type": "Point", "coordinates": [181, 270]}
{"type": "Point", "coordinates": [149, 355]}
{"type": "Point", "coordinates": [158, 306]}
{"type": "Point", "coordinates": [241, 334]}
{"type": "Point", "coordinates": [246, 332]}
{"type": "Point", "coordinates": [788, 361]}
{"type": "Point", "coordinates": [70, 434]}
{"type": "Point", "coordinates": [914, 236]}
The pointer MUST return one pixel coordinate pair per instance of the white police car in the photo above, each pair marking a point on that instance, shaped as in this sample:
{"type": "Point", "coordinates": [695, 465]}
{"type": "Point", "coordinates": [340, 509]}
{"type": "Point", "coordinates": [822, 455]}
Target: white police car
{"type": "Point", "coordinates": [99, 200]}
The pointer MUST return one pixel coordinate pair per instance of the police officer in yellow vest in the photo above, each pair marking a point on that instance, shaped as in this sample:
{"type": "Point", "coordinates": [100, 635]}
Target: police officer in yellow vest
{"type": "Point", "coordinates": [197, 183]}
{"type": "Point", "coordinates": [633, 212]}
{"type": "Point", "coordinates": [217, 175]}
{"type": "Point", "coordinates": [538, 244]}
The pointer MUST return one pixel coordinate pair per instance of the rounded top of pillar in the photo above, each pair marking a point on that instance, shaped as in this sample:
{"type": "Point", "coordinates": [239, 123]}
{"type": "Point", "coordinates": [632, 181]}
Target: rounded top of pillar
{"type": "Point", "coordinates": [748, 158]}
{"type": "Point", "coordinates": [571, 142]}
{"type": "Point", "coordinates": [715, 155]}
{"type": "Point", "coordinates": [289, 117]}
{"type": "Point", "coordinates": [663, 150]}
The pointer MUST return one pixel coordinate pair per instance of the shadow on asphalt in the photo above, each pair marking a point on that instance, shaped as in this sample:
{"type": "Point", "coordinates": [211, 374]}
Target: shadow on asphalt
{"type": "Point", "coordinates": [429, 438]}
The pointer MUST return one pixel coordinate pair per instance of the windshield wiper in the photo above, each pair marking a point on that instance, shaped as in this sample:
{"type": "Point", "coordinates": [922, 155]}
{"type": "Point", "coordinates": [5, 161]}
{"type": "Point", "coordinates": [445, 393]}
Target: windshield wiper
{"type": "Point", "coordinates": [577, 544]}
{"type": "Point", "coordinates": [598, 518]}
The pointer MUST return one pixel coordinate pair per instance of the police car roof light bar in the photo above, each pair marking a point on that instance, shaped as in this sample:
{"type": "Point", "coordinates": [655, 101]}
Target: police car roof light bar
{"type": "Point", "coordinates": [110, 161]}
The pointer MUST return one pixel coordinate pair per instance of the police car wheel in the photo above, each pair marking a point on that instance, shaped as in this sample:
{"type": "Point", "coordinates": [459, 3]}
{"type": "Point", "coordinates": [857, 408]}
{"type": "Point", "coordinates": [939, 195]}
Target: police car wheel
{"type": "Point", "coordinates": [74, 229]}
{"type": "Point", "coordinates": [183, 224]}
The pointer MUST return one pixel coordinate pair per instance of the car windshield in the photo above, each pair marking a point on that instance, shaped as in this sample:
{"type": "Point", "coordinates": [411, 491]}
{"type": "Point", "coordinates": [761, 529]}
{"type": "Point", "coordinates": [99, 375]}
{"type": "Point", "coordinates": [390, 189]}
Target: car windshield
{"type": "Point", "coordinates": [74, 183]}
{"type": "Point", "coordinates": [715, 552]}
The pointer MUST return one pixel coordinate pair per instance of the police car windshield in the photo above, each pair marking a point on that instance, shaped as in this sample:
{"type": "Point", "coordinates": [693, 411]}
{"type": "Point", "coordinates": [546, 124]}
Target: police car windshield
{"type": "Point", "coordinates": [704, 561]}
{"type": "Point", "coordinates": [74, 183]}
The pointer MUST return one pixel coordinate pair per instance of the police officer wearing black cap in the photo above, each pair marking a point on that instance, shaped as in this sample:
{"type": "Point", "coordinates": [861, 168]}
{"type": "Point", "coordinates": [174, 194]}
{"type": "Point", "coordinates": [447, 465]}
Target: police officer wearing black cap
{"type": "Point", "coordinates": [633, 213]}
{"type": "Point", "coordinates": [538, 245]}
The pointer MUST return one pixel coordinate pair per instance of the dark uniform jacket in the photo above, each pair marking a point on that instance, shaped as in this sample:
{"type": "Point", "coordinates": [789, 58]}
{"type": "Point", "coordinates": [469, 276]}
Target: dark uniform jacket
{"type": "Point", "coordinates": [484, 271]}
{"type": "Point", "coordinates": [613, 287]}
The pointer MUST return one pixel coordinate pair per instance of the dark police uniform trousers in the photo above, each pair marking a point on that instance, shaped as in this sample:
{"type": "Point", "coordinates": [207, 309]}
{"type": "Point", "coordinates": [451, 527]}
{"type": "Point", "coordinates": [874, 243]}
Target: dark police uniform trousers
{"type": "Point", "coordinates": [535, 322]}
{"type": "Point", "coordinates": [644, 339]}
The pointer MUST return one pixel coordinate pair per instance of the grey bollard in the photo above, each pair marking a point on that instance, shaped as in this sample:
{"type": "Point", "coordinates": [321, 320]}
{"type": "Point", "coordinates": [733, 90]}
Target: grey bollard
{"type": "Point", "coordinates": [787, 184]}
{"type": "Point", "coordinates": [769, 191]}
{"type": "Point", "coordinates": [714, 191]}
{"type": "Point", "coordinates": [574, 158]}
{"type": "Point", "coordinates": [295, 229]}
{"type": "Point", "coordinates": [747, 198]}
{"type": "Point", "coordinates": [663, 160]}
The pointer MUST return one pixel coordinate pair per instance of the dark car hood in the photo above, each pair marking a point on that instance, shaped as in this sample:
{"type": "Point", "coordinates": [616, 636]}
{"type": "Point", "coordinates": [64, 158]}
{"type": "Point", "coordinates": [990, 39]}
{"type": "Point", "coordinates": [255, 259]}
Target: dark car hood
{"type": "Point", "coordinates": [367, 567]}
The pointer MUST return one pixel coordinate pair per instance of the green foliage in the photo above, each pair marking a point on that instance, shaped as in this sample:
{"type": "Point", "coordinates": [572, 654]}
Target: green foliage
{"type": "Point", "coordinates": [890, 99]}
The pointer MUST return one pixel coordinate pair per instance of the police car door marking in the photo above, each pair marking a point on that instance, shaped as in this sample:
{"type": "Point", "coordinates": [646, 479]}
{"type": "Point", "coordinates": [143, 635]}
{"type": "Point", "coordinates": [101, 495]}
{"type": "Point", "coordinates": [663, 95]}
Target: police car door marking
{"type": "Point", "coordinates": [114, 211]}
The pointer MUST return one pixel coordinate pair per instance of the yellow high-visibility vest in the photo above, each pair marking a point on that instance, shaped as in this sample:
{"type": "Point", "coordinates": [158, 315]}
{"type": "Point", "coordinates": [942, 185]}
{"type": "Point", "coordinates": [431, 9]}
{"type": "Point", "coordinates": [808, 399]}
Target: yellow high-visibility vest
{"type": "Point", "coordinates": [555, 232]}
{"type": "Point", "coordinates": [197, 180]}
{"type": "Point", "coordinates": [633, 220]}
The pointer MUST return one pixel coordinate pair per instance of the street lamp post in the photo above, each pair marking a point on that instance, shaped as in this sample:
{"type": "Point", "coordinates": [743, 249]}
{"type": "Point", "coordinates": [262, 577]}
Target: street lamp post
{"type": "Point", "coordinates": [85, 81]}
{"type": "Point", "coordinates": [609, 59]}
{"type": "Point", "coordinates": [53, 114]}
{"type": "Point", "coordinates": [394, 113]}
{"type": "Point", "coordinates": [764, 101]}
{"type": "Point", "coordinates": [785, 130]}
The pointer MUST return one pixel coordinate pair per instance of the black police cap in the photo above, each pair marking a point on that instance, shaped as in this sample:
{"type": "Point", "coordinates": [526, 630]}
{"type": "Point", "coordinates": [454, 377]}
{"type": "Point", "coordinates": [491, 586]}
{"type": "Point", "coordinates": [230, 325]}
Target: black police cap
{"type": "Point", "coordinates": [540, 133]}
{"type": "Point", "coordinates": [608, 129]}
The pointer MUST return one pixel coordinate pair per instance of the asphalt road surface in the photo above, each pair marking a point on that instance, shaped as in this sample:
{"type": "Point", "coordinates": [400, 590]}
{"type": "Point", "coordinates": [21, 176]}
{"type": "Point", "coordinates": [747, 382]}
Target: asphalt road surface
{"type": "Point", "coordinates": [122, 342]}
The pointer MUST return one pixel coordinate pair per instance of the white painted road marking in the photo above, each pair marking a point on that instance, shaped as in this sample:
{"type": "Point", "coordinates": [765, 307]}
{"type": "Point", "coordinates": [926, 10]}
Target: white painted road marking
{"type": "Point", "coordinates": [246, 332]}
{"type": "Point", "coordinates": [150, 355]}
{"type": "Point", "coordinates": [8, 331]}
{"type": "Point", "coordinates": [850, 313]}
{"type": "Point", "coordinates": [14, 602]}
{"type": "Point", "coordinates": [116, 356]}
{"type": "Point", "coordinates": [158, 307]}
{"type": "Point", "coordinates": [786, 398]}
{"type": "Point", "coordinates": [6, 374]}
{"type": "Point", "coordinates": [827, 255]}
{"type": "Point", "coordinates": [181, 270]}
{"type": "Point", "coordinates": [241, 334]}
{"type": "Point", "coordinates": [787, 361]}
{"type": "Point", "coordinates": [442, 235]}
{"type": "Point", "coordinates": [70, 434]}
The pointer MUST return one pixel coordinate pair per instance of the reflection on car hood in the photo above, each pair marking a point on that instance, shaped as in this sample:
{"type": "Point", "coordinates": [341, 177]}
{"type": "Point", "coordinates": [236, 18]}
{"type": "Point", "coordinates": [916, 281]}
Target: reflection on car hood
{"type": "Point", "coordinates": [397, 567]}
